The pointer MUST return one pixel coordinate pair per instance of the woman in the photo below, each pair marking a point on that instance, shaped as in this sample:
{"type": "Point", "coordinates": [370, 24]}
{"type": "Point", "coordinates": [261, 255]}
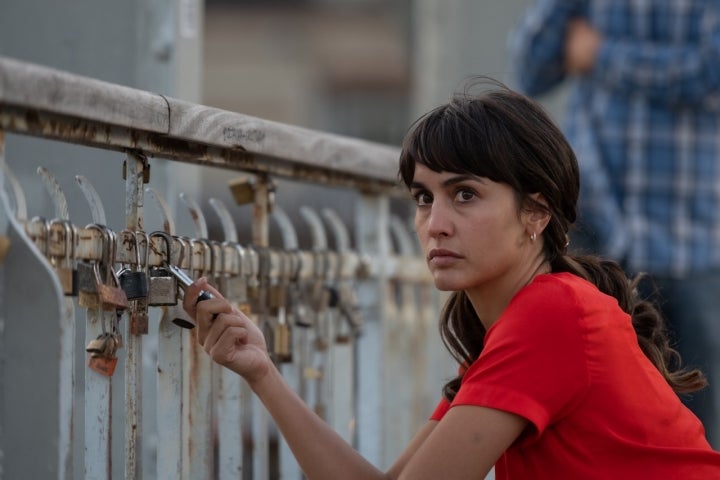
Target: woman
{"type": "Point", "coordinates": [564, 373]}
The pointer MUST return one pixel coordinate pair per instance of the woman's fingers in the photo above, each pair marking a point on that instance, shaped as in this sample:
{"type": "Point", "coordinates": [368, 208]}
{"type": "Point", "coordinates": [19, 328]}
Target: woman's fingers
{"type": "Point", "coordinates": [192, 299]}
{"type": "Point", "coordinates": [225, 325]}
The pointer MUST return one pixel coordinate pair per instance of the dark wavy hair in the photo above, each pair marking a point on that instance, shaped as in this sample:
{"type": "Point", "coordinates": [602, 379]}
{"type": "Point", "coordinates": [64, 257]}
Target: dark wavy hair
{"type": "Point", "coordinates": [506, 137]}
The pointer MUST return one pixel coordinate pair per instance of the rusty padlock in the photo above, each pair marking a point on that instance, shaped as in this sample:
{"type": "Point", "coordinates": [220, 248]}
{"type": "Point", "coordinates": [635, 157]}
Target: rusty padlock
{"type": "Point", "coordinates": [111, 295]}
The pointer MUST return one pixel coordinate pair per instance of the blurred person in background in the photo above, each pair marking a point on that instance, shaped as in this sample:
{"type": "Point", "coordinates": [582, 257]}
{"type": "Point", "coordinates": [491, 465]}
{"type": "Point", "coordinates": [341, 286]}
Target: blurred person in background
{"type": "Point", "coordinates": [643, 116]}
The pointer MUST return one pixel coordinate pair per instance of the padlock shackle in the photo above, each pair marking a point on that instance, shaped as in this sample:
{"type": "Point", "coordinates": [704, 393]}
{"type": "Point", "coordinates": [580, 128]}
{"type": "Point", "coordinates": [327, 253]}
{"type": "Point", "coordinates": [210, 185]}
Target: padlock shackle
{"type": "Point", "coordinates": [167, 238]}
{"type": "Point", "coordinates": [70, 235]}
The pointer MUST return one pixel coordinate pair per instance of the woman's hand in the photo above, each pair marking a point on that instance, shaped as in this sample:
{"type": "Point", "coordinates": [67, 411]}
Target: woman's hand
{"type": "Point", "coordinates": [226, 334]}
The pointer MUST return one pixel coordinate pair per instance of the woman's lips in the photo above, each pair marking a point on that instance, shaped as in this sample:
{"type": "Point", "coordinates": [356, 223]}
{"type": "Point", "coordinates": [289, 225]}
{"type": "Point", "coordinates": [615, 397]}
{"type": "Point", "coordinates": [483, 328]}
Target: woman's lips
{"type": "Point", "coordinates": [439, 257]}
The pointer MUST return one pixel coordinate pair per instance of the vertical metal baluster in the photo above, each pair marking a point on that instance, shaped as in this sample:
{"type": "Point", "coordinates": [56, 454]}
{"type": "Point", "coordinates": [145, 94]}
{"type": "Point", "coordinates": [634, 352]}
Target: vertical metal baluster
{"type": "Point", "coordinates": [136, 166]}
{"type": "Point", "coordinates": [264, 192]}
{"type": "Point", "coordinates": [344, 356]}
{"type": "Point", "coordinates": [292, 372]}
{"type": "Point", "coordinates": [169, 402]}
{"type": "Point", "coordinates": [373, 238]}
{"type": "Point", "coordinates": [197, 382]}
{"type": "Point", "coordinates": [98, 389]}
{"type": "Point", "coordinates": [233, 393]}
{"type": "Point", "coordinates": [324, 335]}
{"type": "Point", "coordinates": [66, 360]}
{"type": "Point", "coordinates": [403, 362]}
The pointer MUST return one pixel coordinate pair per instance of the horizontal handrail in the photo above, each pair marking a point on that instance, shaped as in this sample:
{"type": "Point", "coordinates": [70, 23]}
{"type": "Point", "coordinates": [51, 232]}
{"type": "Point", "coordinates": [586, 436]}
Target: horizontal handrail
{"type": "Point", "coordinates": [41, 101]}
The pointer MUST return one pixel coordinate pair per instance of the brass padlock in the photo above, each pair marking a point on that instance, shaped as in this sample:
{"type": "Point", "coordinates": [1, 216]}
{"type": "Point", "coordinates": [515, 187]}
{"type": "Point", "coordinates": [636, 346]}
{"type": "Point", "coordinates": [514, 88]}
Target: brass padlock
{"type": "Point", "coordinates": [282, 336]}
{"type": "Point", "coordinates": [242, 190]}
{"type": "Point", "coordinates": [97, 346]}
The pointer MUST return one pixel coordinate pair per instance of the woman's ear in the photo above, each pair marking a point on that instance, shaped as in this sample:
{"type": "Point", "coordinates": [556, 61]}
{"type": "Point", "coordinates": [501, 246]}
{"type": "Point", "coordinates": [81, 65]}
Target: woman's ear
{"type": "Point", "coordinates": [536, 218]}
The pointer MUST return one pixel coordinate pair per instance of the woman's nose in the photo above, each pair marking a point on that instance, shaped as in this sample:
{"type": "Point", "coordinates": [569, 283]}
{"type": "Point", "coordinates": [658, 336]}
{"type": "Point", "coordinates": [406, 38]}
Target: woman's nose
{"type": "Point", "coordinates": [439, 221]}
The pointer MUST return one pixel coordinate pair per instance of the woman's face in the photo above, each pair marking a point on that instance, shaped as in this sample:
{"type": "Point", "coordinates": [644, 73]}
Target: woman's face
{"type": "Point", "coordinates": [470, 230]}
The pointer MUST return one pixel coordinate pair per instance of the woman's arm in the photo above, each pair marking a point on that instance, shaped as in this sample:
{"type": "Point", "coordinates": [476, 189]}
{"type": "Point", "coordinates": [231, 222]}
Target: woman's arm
{"type": "Point", "coordinates": [465, 444]}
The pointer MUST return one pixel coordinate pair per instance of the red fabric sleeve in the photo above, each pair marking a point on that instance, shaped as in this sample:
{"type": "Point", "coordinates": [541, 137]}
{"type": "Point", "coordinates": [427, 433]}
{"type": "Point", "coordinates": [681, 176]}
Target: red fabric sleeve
{"type": "Point", "coordinates": [442, 407]}
{"type": "Point", "coordinates": [534, 362]}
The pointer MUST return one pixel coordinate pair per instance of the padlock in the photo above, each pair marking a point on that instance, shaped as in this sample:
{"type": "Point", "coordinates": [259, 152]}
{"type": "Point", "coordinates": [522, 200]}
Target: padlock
{"type": "Point", "coordinates": [87, 285]}
{"type": "Point", "coordinates": [162, 284]}
{"type": "Point", "coordinates": [233, 287]}
{"type": "Point", "coordinates": [282, 344]}
{"type": "Point", "coordinates": [162, 289]}
{"type": "Point", "coordinates": [112, 297]}
{"type": "Point", "coordinates": [134, 281]}
{"type": "Point", "coordinates": [103, 365]}
{"type": "Point", "coordinates": [252, 267]}
{"type": "Point", "coordinates": [139, 323]}
{"type": "Point", "coordinates": [243, 190]}
{"type": "Point", "coordinates": [64, 266]}
{"type": "Point", "coordinates": [86, 279]}
{"type": "Point", "coordinates": [97, 345]}
{"type": "Point", "coordinates": [105, 362]}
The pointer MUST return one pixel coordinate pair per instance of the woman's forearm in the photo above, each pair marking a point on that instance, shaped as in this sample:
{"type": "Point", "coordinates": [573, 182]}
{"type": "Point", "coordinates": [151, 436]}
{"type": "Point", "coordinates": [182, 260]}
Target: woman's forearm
{"type": "Point", "coordinates": [320, 451]}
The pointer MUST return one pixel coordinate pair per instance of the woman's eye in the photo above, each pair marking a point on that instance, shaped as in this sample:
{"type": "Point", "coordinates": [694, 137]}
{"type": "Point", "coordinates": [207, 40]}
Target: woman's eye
{"type": "Point", "coordinates": [422, 198]}
{"type": "Point", "coordinates": [465, 195]}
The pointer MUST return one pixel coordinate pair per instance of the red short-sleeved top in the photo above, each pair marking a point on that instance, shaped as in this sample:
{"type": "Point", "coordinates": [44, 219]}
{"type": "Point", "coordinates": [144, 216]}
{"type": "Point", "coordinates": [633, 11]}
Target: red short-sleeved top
{"type": "Point", "coordinates": [565, 357]}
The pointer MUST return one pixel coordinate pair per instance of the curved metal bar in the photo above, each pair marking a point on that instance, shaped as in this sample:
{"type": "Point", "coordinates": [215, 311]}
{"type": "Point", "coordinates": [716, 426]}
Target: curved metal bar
{"type": "Point", "coordinates": [287, 230]}
{"type": "Point", "coordinates": [319, 239]}
{"type": "Point", "coordinates": [404, 240]}
{"type": "Point", "coordinates": [17, 191]}
{"type": "Point", "coordinates": [167, 219]}
{"type": "Point", "coordinates": [340, 231]}
{"type": "Point", "coordinates": [226, 220]}
{"type": "Point", "coordinates": [94, 201]}
{"type": "Point", "coordinates": [56, 193]}
{"type": "Point", "coordinates": [197, 216]}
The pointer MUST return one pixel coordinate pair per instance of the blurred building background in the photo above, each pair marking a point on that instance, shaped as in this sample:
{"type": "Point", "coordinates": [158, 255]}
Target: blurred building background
{"type": "Point", "coordinates": [363, 68]}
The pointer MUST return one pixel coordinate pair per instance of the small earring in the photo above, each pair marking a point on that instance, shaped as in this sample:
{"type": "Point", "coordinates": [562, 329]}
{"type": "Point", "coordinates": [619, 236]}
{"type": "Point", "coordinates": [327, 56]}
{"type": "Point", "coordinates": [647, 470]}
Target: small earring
{"type": "Point", "coordinates": [533, 237]}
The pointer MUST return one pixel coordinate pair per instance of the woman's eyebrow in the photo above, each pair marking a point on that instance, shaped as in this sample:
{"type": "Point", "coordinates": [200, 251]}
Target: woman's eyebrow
{"type": "Point", "coordinates": [448, 182]}
{"type": "Point", "coordinates": [460, 179]}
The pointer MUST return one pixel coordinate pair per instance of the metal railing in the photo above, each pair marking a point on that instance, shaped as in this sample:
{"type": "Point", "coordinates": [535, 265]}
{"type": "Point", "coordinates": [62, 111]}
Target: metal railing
{"type": "Point", "coordinates": [309, 302]}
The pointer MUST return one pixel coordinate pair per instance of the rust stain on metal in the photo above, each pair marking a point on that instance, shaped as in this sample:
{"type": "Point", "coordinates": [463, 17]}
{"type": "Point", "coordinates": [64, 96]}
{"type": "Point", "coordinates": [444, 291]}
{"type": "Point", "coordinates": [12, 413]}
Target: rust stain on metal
{"type": "Point", "coordinates": [194, 214]}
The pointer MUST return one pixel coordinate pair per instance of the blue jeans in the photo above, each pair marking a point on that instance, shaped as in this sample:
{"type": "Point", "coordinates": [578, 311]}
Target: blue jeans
{"type": "Point", "coordinates": [691, 307]}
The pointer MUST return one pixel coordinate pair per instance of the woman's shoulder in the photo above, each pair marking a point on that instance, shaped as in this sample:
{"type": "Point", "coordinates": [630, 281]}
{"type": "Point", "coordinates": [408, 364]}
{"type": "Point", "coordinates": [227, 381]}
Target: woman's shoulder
{"type": "Point", "coordinates": [558, 289]}
{"type": "Point", "coordinates": [559, 299]}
